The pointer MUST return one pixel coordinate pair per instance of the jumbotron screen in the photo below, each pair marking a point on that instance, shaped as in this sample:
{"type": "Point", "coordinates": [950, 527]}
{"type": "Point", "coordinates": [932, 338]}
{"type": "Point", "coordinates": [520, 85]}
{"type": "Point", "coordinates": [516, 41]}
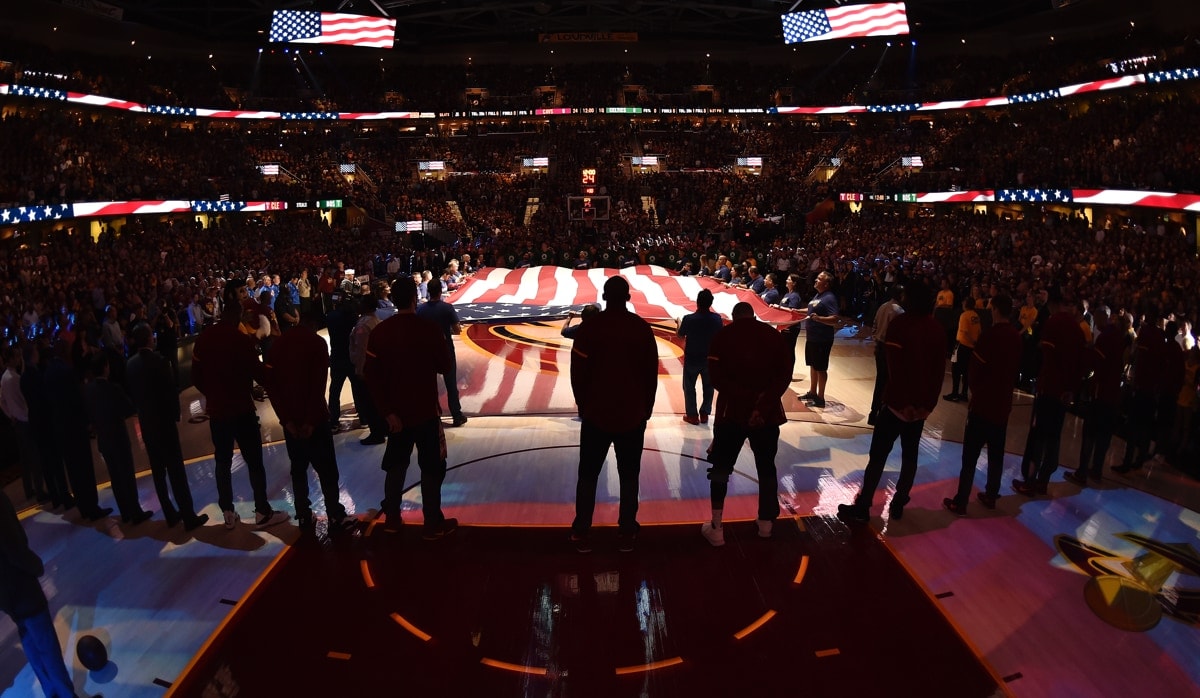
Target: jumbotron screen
{"type": "Point", "coordinates": [306, 27]}
{"type": "Point", "coordinates": [845, 22]}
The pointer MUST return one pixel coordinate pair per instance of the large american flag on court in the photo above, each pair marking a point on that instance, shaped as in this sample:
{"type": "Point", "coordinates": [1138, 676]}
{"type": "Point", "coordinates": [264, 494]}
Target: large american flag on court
{"type": "Point", "coordinates": [305, 27]}
{"type": "Point", "coordinates": [876, 19]}
{"type": "Point", "coordinates": [511, 295]}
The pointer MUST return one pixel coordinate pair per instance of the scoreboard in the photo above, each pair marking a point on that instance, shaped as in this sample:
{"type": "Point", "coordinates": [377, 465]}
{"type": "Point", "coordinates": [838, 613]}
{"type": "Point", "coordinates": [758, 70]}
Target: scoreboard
{"type": "Point", "coordinates": [590, 205]}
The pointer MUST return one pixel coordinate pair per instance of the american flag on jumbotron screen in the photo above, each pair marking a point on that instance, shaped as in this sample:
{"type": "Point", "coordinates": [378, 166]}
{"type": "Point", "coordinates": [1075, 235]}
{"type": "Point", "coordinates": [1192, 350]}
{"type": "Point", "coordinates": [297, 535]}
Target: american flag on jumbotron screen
{"type": "Point", "coordinates": [306, 27]}
{"type": "Point", "coordinates": [876, 19]}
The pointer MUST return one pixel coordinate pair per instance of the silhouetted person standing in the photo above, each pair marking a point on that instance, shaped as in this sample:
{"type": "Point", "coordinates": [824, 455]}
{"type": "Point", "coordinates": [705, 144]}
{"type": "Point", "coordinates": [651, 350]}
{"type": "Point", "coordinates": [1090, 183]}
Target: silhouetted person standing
{"type": "Point", "coordinates": [152, 388]}
{"type": "Point", "coordinates": [751, 365]}
{"type": "Point", "coordinates": [1062, 343]}
{"type": "Point", "coordinates": [108, 409]}
{"type": "Point", "coordinates": [64, 389]}
{"type": "Point", "coordinates": [294, 376]}
{"type": "Point", "coordinates": [405, 354]}
{"type": "Point", "coordinates": [614, 376]}
{"type": "Point", "coordinates": [995, 365]}
{"type": "Point", "coordinates": [916, 356]}
{"type": "Point", "coordinates": [22, 599]}
{"type": "Point", "coordinates": [443, 315]}
{"type": "Point", "coordinates": [224, 367]}
{"type": "Point", "coordinates": [698, 329]}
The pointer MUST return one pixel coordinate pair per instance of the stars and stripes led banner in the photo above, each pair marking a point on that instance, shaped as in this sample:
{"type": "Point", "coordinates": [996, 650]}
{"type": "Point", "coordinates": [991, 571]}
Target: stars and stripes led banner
{"type": "Point", "coordinates": [1093, 197]}
{"type": "Point", "coordinates": [846, 22]}
{"type": "Point", "coordinates": [945, 105]}
{"type": "Point", "coordinates": [306, 27]}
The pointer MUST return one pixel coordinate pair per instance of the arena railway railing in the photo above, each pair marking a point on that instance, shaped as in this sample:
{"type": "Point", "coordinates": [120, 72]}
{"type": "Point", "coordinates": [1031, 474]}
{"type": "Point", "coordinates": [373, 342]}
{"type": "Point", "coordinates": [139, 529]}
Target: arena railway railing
{"type": "Point", "coordinates": [1120, 82]}
{"type": "Point", "coordinates": [1068, 197]}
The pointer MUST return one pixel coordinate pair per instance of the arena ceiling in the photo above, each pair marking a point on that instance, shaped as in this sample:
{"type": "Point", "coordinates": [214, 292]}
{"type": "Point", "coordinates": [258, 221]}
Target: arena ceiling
{"type": "Point", "coordinates": [444, 22]}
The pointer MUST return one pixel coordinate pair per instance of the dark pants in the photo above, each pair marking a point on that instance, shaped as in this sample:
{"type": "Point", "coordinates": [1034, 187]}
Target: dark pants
{"type": "Point", "coordinates": [317, 451]}
{"type": "Point", "coordinates": [593, 449]}
{"type": "Point", "coordinates": [889, 427]}
{"type": "Point", "coordinates": [881, 376]}
{"type": "Point", "coordinates": [727, 443]}
{"type": "Point", "coordinates": [960, 366]}
{"type": "Point", "coordinates": [1138, 429]}
{"type": "Point", "coordinates": [31, 467]}
{"type": "Point", "coordinates": [979, 433]}
{"type": "Point", "coordinates": [368, 414]}
{"type": "Point", "coordinates": [429, 440]}
{"type": "Point", "coordinates": [123, 478]}
{"type": "Point", "coordinates": [81, 470]}
{"type": "Point", "coordinates": [450, 379]}
{"type": "Point", "coordinates": [1045, 435]}
{"type": "Point", "coordinates": [244, 430]}
{"type": "Point", "coordinates": [166, 464]}
{"type": "Point", "coordinates": [1099, 423]}
{"type": "Point", "coordinates": [339, 372]}
{"type": "Point", "coordinates": [40, 642]}
{"type": "Point", "coordinates": [690, 373]}
{"type": "Point", "coordinates": [55, 475]}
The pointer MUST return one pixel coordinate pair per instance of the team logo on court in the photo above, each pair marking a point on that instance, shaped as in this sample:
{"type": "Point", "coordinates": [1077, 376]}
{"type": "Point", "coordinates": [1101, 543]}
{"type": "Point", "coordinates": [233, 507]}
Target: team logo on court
{"type": "Point", "coordinates": [1132, 593]}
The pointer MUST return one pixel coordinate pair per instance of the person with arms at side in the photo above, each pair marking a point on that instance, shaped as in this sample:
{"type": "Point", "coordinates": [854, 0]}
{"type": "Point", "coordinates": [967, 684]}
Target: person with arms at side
{"type": "Point", "coordinates": [1061, 371]}
{"type": "Point", "coordinates": [22, 599]}
{"type": "Point", "coordinates": [294, 374]}
{"type": "Point", "coordinates": [225, 366]}
{"type": "Point", "coordinates": [969, 328]}
{"type": "Point", "coordinates": [614, 377]}
{"type": "Point", "coordinates": [751, 365]}
{"type": "Point", "coordinates": [41, 425]}
{"type": "Point", "coordinates": [995, 364]}
{"type": "Point", "coordinates": [152, 389]}
{"type": "Point", "coordinates": [442, 314]}
{"type": "Point", "coordinates": [109, 409]}
{"type": "Point", "coordinates": [339, 321]}
{"type": "Point", "coordinates": [405, 354]}
{"type": "Point", "coordinates": [64, 389]}
{"type": "Point", "coordinates": [1107, 358]}
{"type": "Point", "coordinates": [697, 330]}
{"type": "Point", "coordinates": [13, 404]}
{"type": "Point", "coordinates": [883, 317]}
{"type": "Point", "coordinates": [916, 354]}
{"type": "Point", "coordinates": [368, 416]}
{"type": "Point", "coordinates": [821, 323]}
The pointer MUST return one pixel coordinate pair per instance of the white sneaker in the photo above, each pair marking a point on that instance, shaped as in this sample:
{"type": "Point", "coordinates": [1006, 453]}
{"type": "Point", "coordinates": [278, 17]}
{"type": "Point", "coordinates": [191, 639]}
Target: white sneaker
{"type": "Point", "coordinates": [267, 520]}
{"type": "Point", "coordinates": [715, 536]}
{"type": "Point", "coordinates": [764, 528]}
{"type": "Point", "coordinates": [231, 520]}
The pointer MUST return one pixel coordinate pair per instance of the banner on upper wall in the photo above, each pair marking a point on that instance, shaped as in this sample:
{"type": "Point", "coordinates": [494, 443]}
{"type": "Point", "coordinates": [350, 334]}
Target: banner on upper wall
{"type": "Point", "coordinates": [586, 37]}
